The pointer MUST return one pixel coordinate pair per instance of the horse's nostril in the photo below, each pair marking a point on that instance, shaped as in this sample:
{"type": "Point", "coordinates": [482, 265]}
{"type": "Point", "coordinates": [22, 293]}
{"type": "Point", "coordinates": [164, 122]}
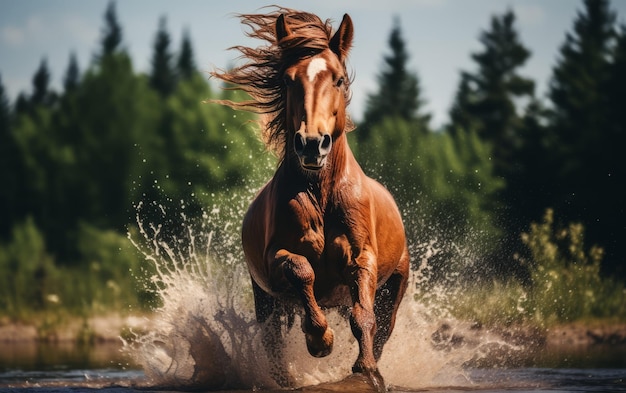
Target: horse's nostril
{"type": "Point", "coordinates": [299, 143]}
{"type": "Point", "coordinates": [325, 144]}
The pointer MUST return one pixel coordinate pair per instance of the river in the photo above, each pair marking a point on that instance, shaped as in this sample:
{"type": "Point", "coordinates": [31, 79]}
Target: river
{"type": "Point", "coordinates": [105, 368]}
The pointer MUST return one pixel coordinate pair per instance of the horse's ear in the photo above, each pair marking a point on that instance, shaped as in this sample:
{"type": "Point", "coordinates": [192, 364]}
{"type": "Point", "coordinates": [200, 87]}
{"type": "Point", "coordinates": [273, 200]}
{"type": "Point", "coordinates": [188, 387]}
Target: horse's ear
{"type": "Point", "coordinates": [282, 30]}
{"type": "Point", "coordinates": [342, 40]}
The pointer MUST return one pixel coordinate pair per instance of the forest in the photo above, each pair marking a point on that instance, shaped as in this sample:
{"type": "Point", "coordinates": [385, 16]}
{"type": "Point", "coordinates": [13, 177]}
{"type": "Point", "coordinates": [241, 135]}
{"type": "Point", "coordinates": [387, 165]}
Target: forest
{"type": "Point", "coordinates": [530, 188]}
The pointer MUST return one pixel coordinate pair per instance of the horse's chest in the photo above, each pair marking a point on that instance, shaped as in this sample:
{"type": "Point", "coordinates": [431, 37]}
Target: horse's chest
{"type": "Point", "coordinates": [317, 231]}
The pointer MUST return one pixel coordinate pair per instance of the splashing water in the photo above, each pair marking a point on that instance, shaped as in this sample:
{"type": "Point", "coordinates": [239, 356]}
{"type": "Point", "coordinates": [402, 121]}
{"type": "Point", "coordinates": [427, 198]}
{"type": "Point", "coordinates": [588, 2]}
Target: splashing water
{"type": "Point", "coordinates": [205, 334]}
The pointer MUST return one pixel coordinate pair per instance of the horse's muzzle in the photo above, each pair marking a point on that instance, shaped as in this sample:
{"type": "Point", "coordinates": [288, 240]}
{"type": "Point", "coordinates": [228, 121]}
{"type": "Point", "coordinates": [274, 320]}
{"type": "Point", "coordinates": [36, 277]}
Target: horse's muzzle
{"type": "Point", "coordinates": [312, 151]}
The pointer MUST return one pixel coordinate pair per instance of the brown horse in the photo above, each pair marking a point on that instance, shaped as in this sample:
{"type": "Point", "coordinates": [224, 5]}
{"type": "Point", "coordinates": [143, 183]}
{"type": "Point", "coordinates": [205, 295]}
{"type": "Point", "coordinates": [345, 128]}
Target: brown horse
{"type": "Point", "coordinates": [320, 232]}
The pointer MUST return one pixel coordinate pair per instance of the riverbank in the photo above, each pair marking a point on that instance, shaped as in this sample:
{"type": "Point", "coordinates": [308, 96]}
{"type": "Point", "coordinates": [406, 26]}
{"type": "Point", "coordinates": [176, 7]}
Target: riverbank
{"type": "Point", "coordinates": [97, 329]}
{"type": "Point", "coordinates": [110, 328]}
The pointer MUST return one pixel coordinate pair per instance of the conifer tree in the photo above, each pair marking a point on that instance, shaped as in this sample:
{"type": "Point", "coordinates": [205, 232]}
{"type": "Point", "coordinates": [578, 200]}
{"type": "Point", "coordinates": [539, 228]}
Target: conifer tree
{"type": "Point", "coordinates": [9, 163]}
{"type": "Point", "coordinates": [584, 186]}
{"type": "Point", "coordinates": [5, 110]}
{"type": "Point", "coordinates": [486, 99]}
{"type": "Point", "coordinates": [186, 65]}
{"type": "Point", "coordinates": [162, 77]}
{"type": "Point", "coordinates": [112, 31]}
{"type": "Point", "coordinates": [72, 75]}
{"type": "Point", "coordinates": [399, 91]}
{"type": "Point", "coordinates": [41, 86]}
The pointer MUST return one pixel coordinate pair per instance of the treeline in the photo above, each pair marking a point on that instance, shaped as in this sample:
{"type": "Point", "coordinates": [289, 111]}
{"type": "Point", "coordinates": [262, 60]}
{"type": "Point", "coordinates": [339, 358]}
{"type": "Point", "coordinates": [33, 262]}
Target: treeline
{"type": "Point", "coordinates": [75, 164]}
{"type": "Point", "coordinates": [506, 155]}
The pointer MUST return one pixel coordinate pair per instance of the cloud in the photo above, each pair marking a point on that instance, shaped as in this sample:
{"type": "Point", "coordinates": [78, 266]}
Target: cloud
{"type": "Point", "coordinates": [64, 27]}
{"type": "Point", "coordinates": [12, 35]}
{"type": "Point", "coordinates": [530, 14]}
{"type": "Point", "coordinates": [19, 35]}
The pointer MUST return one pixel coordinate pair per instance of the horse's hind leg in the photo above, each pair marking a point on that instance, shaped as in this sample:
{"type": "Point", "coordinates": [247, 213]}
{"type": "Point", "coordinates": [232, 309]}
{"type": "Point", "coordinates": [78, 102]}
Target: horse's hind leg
{"type": "Point", "coordinates": [269, 313]}
{"type": "Point", "coordinates": [388, 298]}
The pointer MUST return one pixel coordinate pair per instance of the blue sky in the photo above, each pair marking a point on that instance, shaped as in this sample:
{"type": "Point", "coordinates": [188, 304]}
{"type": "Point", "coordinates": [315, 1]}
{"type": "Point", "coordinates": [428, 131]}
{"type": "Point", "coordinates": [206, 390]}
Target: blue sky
{"type": "Point", "coordinates": [440, 35]}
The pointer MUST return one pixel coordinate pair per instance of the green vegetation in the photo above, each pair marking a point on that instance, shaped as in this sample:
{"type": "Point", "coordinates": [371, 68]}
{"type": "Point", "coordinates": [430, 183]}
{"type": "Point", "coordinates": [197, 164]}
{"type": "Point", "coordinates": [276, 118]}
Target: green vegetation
{"type": "Point", "coordinates": [565, 284]}
{"type": "Point", "coordinates": [77, 165]}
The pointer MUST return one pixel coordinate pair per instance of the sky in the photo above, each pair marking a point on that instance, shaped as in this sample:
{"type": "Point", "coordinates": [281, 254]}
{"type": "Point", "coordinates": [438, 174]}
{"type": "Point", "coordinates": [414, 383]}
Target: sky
{"type": "Point", "coordinates": [440, 36]}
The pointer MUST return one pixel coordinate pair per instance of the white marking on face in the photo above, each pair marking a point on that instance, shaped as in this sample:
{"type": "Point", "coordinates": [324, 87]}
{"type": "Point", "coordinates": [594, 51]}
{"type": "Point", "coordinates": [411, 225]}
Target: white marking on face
{"type": "Point", "coordinates": [316, 66]}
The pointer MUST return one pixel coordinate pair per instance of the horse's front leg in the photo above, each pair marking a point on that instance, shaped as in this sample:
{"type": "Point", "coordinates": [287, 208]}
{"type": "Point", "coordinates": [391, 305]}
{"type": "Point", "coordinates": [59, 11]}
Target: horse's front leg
{"type": "Point", "coordinates": [298, 272]}
{"type": "Point", "coordinates": [363, 319]}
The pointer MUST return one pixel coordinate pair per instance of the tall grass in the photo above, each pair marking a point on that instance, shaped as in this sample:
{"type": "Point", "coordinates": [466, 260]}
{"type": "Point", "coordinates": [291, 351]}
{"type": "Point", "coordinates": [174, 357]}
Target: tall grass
{"type": "Point", "coordinates": [34, 286]}
{"type": "Point", "coordinates": [566, 283]}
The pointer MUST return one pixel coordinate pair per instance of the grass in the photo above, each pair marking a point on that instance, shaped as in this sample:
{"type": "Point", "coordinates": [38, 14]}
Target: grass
{"type": "Point", "coordinates": [566, 284]}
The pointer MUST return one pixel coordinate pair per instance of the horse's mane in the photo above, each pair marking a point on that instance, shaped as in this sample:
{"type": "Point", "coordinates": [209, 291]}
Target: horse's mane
{"type": "Point", "coordinates": [261, 77]}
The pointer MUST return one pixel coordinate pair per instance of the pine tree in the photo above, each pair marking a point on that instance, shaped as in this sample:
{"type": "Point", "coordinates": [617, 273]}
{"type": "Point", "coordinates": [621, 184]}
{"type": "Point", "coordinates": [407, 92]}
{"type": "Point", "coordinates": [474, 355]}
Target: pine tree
{"type": "Point", "coordinates": [186, 65]}
{"type": "Point", "coordinates": [42, 95]}
{"type": "Point", "coordinates": [72, 75]}
{"type": "Point", "coordinates": [399, 91]}
{"type": "Point", "coordinates": [5, 110]}
{"type": "Point", "coordinates": [162, 77]}
{"type": "Point", "coordinates": [486, 100]}
{"type": "Point", "coordinates": [614, 165]}
{"type": "Point", "coordinates": [9, 167]}
{"type": "Point", "coordinates": [112, 32]}
{"type": "Point", "coordinates": [583, 186]}
{"type": "Point", "coordinates": [616, 99]}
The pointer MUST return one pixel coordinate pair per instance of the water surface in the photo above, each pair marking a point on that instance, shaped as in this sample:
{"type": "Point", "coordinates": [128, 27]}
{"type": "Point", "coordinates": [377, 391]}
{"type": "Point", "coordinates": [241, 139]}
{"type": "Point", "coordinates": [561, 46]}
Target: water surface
{"type": "Point", "coordinates": [104, 368]}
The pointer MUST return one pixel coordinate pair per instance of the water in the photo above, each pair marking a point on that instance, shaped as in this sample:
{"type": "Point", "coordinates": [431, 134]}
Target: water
{"type": "Point", "coordinates": [105, 368]}
{"type": "Point", "coordinates": [204, 336]}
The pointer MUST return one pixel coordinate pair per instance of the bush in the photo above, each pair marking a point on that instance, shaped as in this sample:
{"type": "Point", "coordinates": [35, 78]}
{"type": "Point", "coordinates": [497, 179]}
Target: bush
{"type": "Point", "coordinates": [32, 283]}
{"type": "Point", "coordinates": [566, 280]}
{"type": "Point", "coordinates": [566, 284]}
{"type": "Point", "coordinates": [25, 270]}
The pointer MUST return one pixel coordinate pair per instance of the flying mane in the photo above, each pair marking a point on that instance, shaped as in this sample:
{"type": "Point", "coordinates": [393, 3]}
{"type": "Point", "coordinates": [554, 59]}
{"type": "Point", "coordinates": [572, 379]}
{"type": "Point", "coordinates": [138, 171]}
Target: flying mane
{"type": "Point", "coordinates": [261, 77]}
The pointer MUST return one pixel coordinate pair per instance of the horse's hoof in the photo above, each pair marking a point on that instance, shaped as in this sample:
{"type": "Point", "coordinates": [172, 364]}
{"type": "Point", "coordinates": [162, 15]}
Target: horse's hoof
{"type": "Point", "coordinates": [320, 346]}
{"type": "Point", "coordinates": [374, 378]}
{"type": "Point", "coordinates": [377, 381]}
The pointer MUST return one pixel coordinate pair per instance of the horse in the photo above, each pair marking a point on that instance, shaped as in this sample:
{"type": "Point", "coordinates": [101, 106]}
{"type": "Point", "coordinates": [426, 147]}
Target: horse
{"type": "Point", "coordinates": [320, 233]}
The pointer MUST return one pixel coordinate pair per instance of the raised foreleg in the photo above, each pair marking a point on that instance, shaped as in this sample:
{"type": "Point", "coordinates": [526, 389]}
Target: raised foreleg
{"type": "Point", "coordinates": [298, 272]}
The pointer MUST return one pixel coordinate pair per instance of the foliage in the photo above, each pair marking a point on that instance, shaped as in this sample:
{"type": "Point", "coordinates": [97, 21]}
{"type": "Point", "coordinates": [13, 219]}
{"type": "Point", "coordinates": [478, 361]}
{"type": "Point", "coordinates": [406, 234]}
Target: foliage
{"type": "Point", "coordinates": [566, 279]}
{"type": "Point", "coordinates": [78, 162]}
{"type": "Point", "coordinates": [445, 181]}
{"type": "Point", "coordinates": [162, 77]}
{"type": "Point", "coordinates": [487, 99]}
{"type": "Point", "coordinates": [587, 134]}
{"type": "Point", "coordinates": [566, 284]}
{"type": "Point", "coordinates": [399, 91]}
{"type": "Point", "coordinates": [33, 281]}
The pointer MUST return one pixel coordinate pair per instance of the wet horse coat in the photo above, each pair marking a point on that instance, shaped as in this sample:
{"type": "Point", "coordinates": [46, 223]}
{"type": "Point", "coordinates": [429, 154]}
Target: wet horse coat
{"type": "Point", "coordinates": [320, 232]}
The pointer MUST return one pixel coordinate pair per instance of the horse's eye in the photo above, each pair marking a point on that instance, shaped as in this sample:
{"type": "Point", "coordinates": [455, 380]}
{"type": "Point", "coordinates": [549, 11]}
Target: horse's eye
{"type": "Point", "coordinates": [340, 82]}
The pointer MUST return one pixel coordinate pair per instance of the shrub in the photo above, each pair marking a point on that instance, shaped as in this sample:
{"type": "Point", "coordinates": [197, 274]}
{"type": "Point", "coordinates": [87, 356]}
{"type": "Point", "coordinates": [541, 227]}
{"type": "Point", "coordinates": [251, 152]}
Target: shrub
{"type": "Point", "coordinates": [566, 280]}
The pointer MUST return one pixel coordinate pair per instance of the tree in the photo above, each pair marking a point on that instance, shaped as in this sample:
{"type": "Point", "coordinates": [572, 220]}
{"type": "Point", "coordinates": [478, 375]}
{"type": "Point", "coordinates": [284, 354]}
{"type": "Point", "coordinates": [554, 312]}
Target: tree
{"type": "Point", "coordinates": [162, 77]}
{"type": "Point", "coordinates": [41, 84]}
{"type": "Point", "coordinates": [186, 64]}
{"type": "Point", "coordinates": [72, 74]}
{"type": "Point", "coordinates": [111, 33]}
{"type": "Point", "coordinates": [10, 167]}
{"type": "Point", "coordinates": [443, 183]}
{"type": "Point", "coordinates": [486, 100]}
{"type": "Point", "coordinates": [399, 90]}
{"type": "Point", "coordinates": [586, 186]}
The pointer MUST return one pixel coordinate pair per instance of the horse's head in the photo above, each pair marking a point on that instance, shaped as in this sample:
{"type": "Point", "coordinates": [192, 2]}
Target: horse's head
{"type": "Point", "coordinates": [316, 94]}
